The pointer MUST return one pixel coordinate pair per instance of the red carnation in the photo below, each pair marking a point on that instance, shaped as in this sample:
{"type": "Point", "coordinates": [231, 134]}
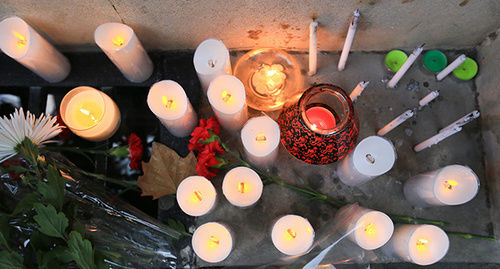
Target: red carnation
{"type": "Point", "coordinates": [207, 160]}
{"type": "Point", "coordinates": [65, 131]}
{"type": "Point", "coordinates": [135, 149]}
{"type": "Point", "coordinates": [203, 132]}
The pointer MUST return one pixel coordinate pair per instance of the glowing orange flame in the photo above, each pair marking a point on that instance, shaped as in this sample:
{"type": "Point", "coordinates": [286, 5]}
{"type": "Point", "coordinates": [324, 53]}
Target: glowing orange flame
{"type": "Point", "coordinates": [261, 138]}
{"type": "Point", "coordinates": [169, 103]}
{"type": "Point", "coordinates": [118, 41]}
{"type": "Point", "coordinates": [226, 97]}
{"type": "Point", "coordinates": [197, 196]}
{"type": "Point", "coordinates": [22, 40]}
{"type": "Point", "coordinates": [449, 184]}
{"type": "Point", "coordinates": [422, 244]}
{"type": "Point", "coordinates": [242, 187]}
{"type": "Point", "coordinates": [213, 241]}
{"type": "Point", "coordinates": [291, 233]}
{"type": "Point", "coordinates": [369, 229]}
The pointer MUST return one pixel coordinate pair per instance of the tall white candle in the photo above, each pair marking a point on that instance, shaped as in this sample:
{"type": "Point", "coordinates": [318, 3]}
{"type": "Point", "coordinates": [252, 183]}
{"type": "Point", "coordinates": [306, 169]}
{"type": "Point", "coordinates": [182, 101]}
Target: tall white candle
{"type": "Point", "coordinates": [196, 196]}
{"type": "Point", "coordinates": [450, 185]}
{"type": "Point", "coordinates": [358, 90]}
{"type": "Point", "coordinates": [211, 59]}
{"type": "Point", "coordinates": [23, 44]}
{"type": "Point", "coordinates": [392, 83]}
{"type": "Point", "coordinates": [168, 101]}
{"type": "Point", "coordinates": [458, 61]}
{"type": "Point", "coordinates": [395, 122]}
{"type": "Point", "coordinates": [242, 186]}
{"type": "Point", "coordinates": [124, 49]}
{"type": "Point", "coordinates": [212, 242]}
{"type": "Point", "coordinates": [227, 97]}
{"type": "Point", "coordinates": [313, 47]}
{"type": "Point", "coordinates": [348, 40]}
{"type": "Point", "coordinates": [90, 113]}
{"type": "Point", "coordinates": [372, 157]}
{"type": "Point", "coordinates": [292, 235]}
{"type": "Point", "coordinates": [437, 138]}
{"type": "Point", "coordinates": [261, 138]}
{"type": "Point", "coordinates": [419, 244]}
{"type": "Point", "coordinates": [462, 121]}
{"type": "Point", "coordinates": [428, 98]}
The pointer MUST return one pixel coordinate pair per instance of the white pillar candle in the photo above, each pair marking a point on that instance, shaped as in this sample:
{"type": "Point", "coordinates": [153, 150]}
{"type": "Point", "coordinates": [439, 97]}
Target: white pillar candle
{"type": "Point", "coordinates": [23, 44]}
{"type": "Point", "coordinates": [227, 97]}
{"type": "Point", "coordinates": [458, 61]}
{"type": "Point", "coordinates": [168, 101]}
{"type": "Point", "coordinates": [450, 185]}
{"type": "Point", "coordinates": [90, 113]}
{"type": "Point", "coordinates": [292, 235]}
{"type": "Point", "coordinates": [313, 47]}
{"type": "Point", "coordinates": [124, 49]}
{"type": "Point", "coordinates": [437, 138]}
{"type": "Point", "coordinates": [211, 59]}
{"type": "Point", "coordinates": [428, 98]}
{"type": "Point", "coordinates": [372, 157]}
{"type": "Point", "coordinates": [212, 242]}
{"type": "Point", "coordinates": [462, 121]}
{"type": "Point", "coordinates": [348, 40]}
{"type": "Point", "coordinates": [358, 90]}
{"type": "Point", "coordinates": [392, 83]}
{"type": "Point", "coordinates": [261, 138]}
{"type": "Point", "coordinates": [419, 244]}
{"type": "Point", "coordinates": [196, 196]}
{"type": "Point", "coordinates": [396, 122]}
{"type": "Point", "coordinates": [242, 186]}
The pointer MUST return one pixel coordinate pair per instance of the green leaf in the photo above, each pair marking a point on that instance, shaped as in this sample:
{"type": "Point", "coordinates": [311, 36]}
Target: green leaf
{"type": "Point", "coordinates": [47, 260]}
{"type": "Point", "coordinates": [26, 204]}
{"type": "Point", "coordinates": [178, 226]}
{"type": "Point", "coordinates": [11, 260]}
{"type": "Point", "coordinates": [51, 223]}
{"type": "Point", "coordinates": [4, 232]}
{"type": "Point", "coordinates": [53, 190]}
{"type": "Point", "coordinates": [40, 241]}
{"type": "Point", "coordinates": [17, 169]}
{"type": "Point", "coordinates": [81, 250]}
{"type": "Point", "coordinates": [28, 150]}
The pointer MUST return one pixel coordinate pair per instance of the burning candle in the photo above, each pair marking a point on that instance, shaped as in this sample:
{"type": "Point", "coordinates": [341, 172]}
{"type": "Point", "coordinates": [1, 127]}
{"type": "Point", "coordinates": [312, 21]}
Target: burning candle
{"type": "Point", "coordinates": [435, 61]}
{"type": "Point", "coordinates": [23, 44]}
{"type": "Point", "coordinates": [242, 186]}
{"type": "Point", "coordinates": [427, 99]}
{"type": "Point", "coordinates": [269, 79]}
{"type": "Point", "coordinates": [292, 235]}
{"type": "Point", "coordinates": [419, 244]}
{"type": "Point", "coordinates": [168, 101]}
{"type": "Point", "coordinates": [313, 47]}
{"type": "Point", "coordinates": [395, 59]}
{"type": "Point", "coordinates": [121, 45]}
{"type": "Point", "coordinates": [90, 114]}
{"type": "Point", "coordinates": [372, 157]}
{"type": "Point", "coordinates": [450, 185]}
{"type": "Point", "coordinates": [395, 122]}
{"type": "Point", "coordinates": [451, 67]}
{"type": "Point", "coordinates": [196, 196]}
{"type": "Point", "coordinates": [348, 40]}
{"type": "Point", "coordinates": [321, 118]}
{"type": "Point", "coordinates": [261, 138]}
{"type": "Point", "coordinates": [392, 83]}
{"type": "Point", "coordinates": [467, 70]}
{"type": "Point", "coordinates": [211, 59]}
{"type": "Point", "coordinates": [437, 138]}
{"type": "Point", "coordinates": [358, 90]}
{"type": "Point", "coordinates": [226, 95]}
{"type": "Point", "coordinates": [212, 242]}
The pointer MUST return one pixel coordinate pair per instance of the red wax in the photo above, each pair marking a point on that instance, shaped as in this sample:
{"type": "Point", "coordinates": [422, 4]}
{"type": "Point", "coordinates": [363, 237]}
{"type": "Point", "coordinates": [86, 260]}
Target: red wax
{"type": "Point", "coordinates": [321, 117]}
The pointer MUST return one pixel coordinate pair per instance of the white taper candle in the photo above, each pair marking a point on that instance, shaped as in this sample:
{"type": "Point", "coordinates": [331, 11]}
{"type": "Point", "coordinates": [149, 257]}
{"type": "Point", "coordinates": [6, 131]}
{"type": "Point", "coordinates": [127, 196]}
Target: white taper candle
{"type": "Point", "coordinates": [392, 83]}
{"type": "Point", "coordinates": [462, 121]}
{"type": "Point", "coordinates": [428, 98]}
{"type": "Point", "coordinates": [348, 40]}
{"type": "Point", "coordinates": [437, 138]}
{"type": "Point", "coordinates": [358, 90]}
{"type": "Point", "coordinates": [451, 67]}
{"type": "Point", "coordinates": [395, 122]}
{"type": "Point", "coordinates": [313, 48]}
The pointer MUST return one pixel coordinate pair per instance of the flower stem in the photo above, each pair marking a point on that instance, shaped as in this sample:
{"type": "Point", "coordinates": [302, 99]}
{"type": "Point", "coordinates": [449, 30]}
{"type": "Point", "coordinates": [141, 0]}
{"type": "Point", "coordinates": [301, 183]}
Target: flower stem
{"type": "Point", "coordinates": [470, 236]}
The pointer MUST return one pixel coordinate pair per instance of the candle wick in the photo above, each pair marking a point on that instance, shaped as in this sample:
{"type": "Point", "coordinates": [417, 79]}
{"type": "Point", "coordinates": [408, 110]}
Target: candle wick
{"type": "Point", "coordinates": [261, 138]}
{"type": "Point", "coordinates": [211, 63]}
{"type": "Point", "coordinates": [370, 158]}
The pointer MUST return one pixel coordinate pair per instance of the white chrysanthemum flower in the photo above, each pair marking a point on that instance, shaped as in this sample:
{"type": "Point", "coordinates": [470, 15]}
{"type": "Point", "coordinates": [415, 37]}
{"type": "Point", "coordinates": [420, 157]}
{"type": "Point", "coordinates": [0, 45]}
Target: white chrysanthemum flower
{"type": "Point", "coordinates": [14, 130]}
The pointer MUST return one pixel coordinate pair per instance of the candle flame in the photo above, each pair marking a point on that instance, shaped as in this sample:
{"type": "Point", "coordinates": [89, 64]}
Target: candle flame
{"type": "Point", "coordinates": [87, 113]}
{"type": "Point", "coordinates": [213, 241]}
{"type": "Point", "coordinates": [422, 244]}
{"type": "Point", "coordinates": [118, 41]}
{"type": "Point", "coordinates": [314, 127]}
{"type": "Point", "coordinates": [169, 103]}
{"type": "Point", "coordinates": [449, 184]}
{"type": "Point", "coordinates": [261, 138]}
{"type": "Point", "coordinates": [22, 40]}
{"type": "Point", "coordinates": [226, 97]}
{"type": "Point", "coordinates": [242, 187]}
{"type": "Point", "coordinates": [291, 233]}
{"type": "Point", "coordinates": [269, 79]}
{"type": "Point", "coordinates": [370, 158]}
{"type": "Point", "coordinates": [369, 229]}
{"type": "Point", "coordinates": [197, 196]}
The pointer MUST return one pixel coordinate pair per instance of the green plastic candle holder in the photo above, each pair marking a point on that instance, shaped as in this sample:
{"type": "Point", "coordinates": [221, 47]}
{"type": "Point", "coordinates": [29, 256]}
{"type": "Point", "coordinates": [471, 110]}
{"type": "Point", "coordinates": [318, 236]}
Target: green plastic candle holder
{"type": "Point", "coordinates": [395, 59]}
{"type": "Point", "coordinates": [435, 61]}
{"type": "Point", "coordinates": [467, 70]}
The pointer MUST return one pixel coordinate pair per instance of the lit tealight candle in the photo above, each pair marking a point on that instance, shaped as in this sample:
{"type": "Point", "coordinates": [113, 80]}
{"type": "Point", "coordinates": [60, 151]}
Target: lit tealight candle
{"type": "Point", "coordinates": [242, 186]}
{"type": "Point", "coordinates": [226, 95]}
{"type": "Point", "coordinates": [23, 44]}
{"type": "Point", "coordinates": [90, 113]}
{"type": "Point", "coordinates": [124, 49]}
{"type": "Point", "coordinates": [321, 118]}
{"type": "Point", "coordinates": [419, 244]}
{"type": "Point", "coordinates": [292, 235]}
{"type": "Point", "coordinates": [261, 138]}
{"type": "Point", "coordinates": [168, 101]}
{"type": "Point", "coordinates": [269, 79]}
{"type": "Point", "coordinates": [196, 196]}
{"type": "Point", "coordinates": [450, 185]}
{"type": "Point", "coordinates": [211, 59]}
{"type": "Point", "coordinates": [212, 242]}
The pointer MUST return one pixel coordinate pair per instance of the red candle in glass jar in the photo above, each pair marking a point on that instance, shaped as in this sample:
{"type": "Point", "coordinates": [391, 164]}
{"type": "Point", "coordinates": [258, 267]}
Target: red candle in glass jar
{"type": "Point", "coordinates": [321, 118]}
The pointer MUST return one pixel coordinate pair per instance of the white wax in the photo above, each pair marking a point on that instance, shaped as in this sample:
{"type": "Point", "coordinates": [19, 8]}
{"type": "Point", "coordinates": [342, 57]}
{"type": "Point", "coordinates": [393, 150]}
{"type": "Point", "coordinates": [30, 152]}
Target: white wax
{"type": "Point", "coordinates": [212, 242]}
{"type": "Point", "coordinates": [372, 157]}
{"type": "Point", "coordinates": [313, 48]}
{"type": "Point", "coordinates": [458, 61]}
{"type": "Point", "coordinates": [292, 235]}
{"type": "Point", "coordinates": [428, 98]}
{"type": "Point", "coordinates": [395, 122]}
{"type": "Point", "coordinates": [358, 90]}
{"type": "Point", "coordinates": [392, 83]}
{"type": "Point", "coordinates": [348, 40]}
{"type": "Point", "coordinates": [168, 101]}
{"type": "Point", "coordinates": [90, 113]}
{"type": "Point", "coordinates": [450, 185]}
{"type": "Point", "coordinates": [419, 244]}
{"type": "Point", "coordinates": [211, 59]}
{"type": "Point", "coordinates": [462, 121]}
{"type": "Point", "coordinates": [242, 186]}
{"type": "Point", "coordinates": [32, 50]}
{"type": "Point", "coordinates": [227, 97]}
{"type": "Point", "coordinates": [124, 49]}
{"type": "Point", "coordinates": [437, 138]}
{"type": "Point", "coordinates": [196, 196]}
{"type": "Point", "coordinates": [259, 151]}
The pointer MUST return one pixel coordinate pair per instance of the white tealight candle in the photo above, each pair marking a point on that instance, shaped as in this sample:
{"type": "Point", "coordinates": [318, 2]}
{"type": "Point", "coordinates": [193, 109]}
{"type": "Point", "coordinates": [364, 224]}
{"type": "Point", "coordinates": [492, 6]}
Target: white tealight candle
{"type": "Point", "coordinates": [211, 59]}
{"type": "Point", "coordinates": [313, 48]}
{"type": "Point", "coordinates": [212, 242]}
{"type": "Point", "coordinates": [395, 122]}
{"type": "Point", "coordinates": [23, 44]}
{"type": "Point", "coordinates": [458, 61]}
{"type": "Point", "coordinates": [261, 138]}
{"type": "Point", "coordinates": [348, 40]}
{"type": "Point", "coordinates": [358, 90]}
{"type": "Point", "coordinates": [292, 235]}
{"type": "Point", "coordinates": [168, 101]}
{"type": "Point", "coordinates": [90, 113]}
{"type": "Point", "coordinates": [419, 244]}
{"type": "Point", "coordinates": [242, 186]}
{"type": "Point", "coordinates": [450, 185]}
{"type": "Point", "coordinates": [124, 49]}
{"type": "Point", "coordinates": [372, 157]}
{"type": "Point", "coordinates": [196, 196]}
{"type": "Point", "coordinates": [226, 95]}
{"type": "Point", "coordinates": [392, 83]}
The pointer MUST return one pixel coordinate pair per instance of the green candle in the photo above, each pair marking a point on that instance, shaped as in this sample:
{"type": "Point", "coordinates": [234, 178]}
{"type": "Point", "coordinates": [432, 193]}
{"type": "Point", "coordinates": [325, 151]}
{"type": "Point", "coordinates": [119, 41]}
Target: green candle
{"type": "Point", "coordinates": [395, 59]}
{"type": "Point", "coordinates": [435, 61]}
{"type": "Point", "coordinates": [467, 70]}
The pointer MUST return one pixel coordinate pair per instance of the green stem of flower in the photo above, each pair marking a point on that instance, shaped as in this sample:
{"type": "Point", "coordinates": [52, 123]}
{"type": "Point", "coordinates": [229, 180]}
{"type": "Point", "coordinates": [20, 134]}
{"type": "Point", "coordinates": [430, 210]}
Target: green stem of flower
{"type": "Point", "coordinates": [410, 219]}
{"type": "Point", "coordinates": [470, 236]}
